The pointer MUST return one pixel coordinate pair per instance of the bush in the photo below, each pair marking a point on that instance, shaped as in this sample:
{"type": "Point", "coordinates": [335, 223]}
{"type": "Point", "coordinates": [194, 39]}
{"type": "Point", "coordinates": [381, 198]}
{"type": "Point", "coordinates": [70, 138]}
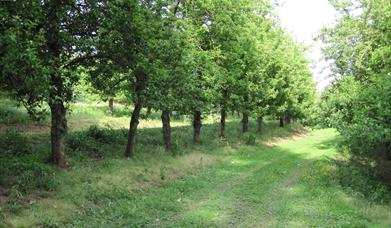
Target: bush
{"type": "Point", "coordinates": [91, 142]}
{"type": "Point", "coordinates": [79, 143]}
{"type": "Point", "coordinates": [48, 222]}
{"type": "Point", "coordinates": [13, 144]}
{"type": "Point", "coordinates": [11, 114]}
{"type": "Point", "coordinates": [361, 112]}
{"type": "Point", "coordinates": [250, 139]}
{"type": "Point", "coordinates": [102, 135]}
{"type": "Point", "coordinates": [363, 181]}
{"type": "Point", "coordinates": [25, 176]}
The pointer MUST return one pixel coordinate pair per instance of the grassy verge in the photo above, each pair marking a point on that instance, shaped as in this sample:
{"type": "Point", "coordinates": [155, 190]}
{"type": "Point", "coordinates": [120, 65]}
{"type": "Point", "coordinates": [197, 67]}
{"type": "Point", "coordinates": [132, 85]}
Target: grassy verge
{"type": "Point", "coordinates": [278, 181]}
{"type": "Point", "coordinates": [289, 185]}
{"type": "Point", "coordinates": [98, 167]}
{"type": "Point", "coordinates": [284, 177]}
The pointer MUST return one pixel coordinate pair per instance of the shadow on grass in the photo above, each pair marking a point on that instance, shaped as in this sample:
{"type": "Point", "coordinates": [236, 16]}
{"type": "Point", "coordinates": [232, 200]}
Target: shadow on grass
{"type": "Point", "coordinates": [214, 197]}
{"type": "Point", "coordinates": [150, 140]}
{"type": "Point", "coordinates": [256, 184]}
{"type": "Point", "coordinates": [330, 143]}
{"type": "Point", "coordinates": [260, 186]}
{"type": "Point", "coordinates": [356, 178]}
{"type": "Point", "coordinates": [98, 152]}
{"type": "Point", "coordinates": [365, 181]}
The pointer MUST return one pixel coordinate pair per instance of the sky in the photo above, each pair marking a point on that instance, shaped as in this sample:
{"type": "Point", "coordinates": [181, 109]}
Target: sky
{"type": "Point", "coordinates": [304, 19]}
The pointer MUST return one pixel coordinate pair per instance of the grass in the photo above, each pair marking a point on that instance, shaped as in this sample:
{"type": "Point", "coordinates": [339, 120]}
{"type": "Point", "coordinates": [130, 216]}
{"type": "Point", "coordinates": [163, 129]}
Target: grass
{"type": "Point", "coordinates": [89, 178]}
{"type": "Point", "coordinates": [285, 177]}
{"type": "Point", "coordinates": [290, 185]}
{"type": "Point", "coordinates": [80, 117]}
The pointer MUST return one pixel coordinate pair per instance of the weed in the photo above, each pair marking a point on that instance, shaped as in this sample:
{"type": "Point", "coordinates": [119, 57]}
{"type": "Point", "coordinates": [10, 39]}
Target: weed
{"type": "Point", "coordinates": [220, 181]}
{"type": "Point", "coordinates": [14, 198]}
{"type": "Point", "coordinates": [13, 144]}
{"type": "Point", "coordinates": [12, 114]}
{"type": "Point", "coordinates": [163, 172]}
{"type": "Point", "coordinates": [250, 139]}
{"type": "Point", "coordinates": [91, 143]}
{"type": "Point", "coordinates": [26, 176]}
{"type": "Point", "coordinates": [362, 180]}
{"type": "Point", "coordinates": [48, 223]}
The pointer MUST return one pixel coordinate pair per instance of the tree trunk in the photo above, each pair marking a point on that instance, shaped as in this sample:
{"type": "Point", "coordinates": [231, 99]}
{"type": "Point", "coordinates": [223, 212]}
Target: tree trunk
{"type": "Point", "coordinates": [58, 131]}
{"type": "Point", "coordinates": [141, 79]}
{"type": "Point", "coordinates": [281, 122]}
{"type": "Point", "coordinates": [129, 152]}
{"type": "Point", "coordinates": [166, 129]}
{"type": "Point", "coordinates": [245, 122]}
{"type": "Point", "coordinates": [58, 127]}
{"type": "Point", "coordinates": [245, 114]}
{"type": "Point", "coordinates": [111, 106]}
{"type": "Point", "coordinates": [197, 127]}
{"type": "Point", "coordinates": [287, 119]}
{"type": "Point", "coordinates": [222, 122]}
{"type": "Point", "coordinates": [260, 124]}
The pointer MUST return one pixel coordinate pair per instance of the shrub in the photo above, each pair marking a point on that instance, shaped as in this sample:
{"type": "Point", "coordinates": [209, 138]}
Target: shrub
{"type": "Point", "coordinates": [362, 181]}
{"type": "Point", "coordinates": [48, 222]}
{"type": "Point", "coordinates": [79, 143]}
{"type": "Point", "coordinates": [26, 176]}
{"type": "Point", "coordinates": [91, 142]}
{"type": "Point", "coordinates": [361, 112]}
{"type": "Point", "coordinates": [2, 217]}
{"type": "Point", "coordinates": [13, 144]}
{"type": "Point", "coordinates": [103, 135]}
{"type": "Point", "coordinates": [250, 140]}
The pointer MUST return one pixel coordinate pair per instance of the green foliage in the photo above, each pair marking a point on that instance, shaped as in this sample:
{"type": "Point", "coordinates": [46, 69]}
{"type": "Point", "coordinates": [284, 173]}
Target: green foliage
{"type": "Point", "coordinates": [13, 144]}
{"type": "Point", "coordinates": [12, 115]}
{"type": "Point", "coordinates": [15, 197]}
{"type": "Point", "coordinates": [362, 181]}
{"type": "Point", "coordinates": [102, 135]}
{"type": "Point", "coordinates": [94, 141]}
{"type": "Point", "coordinates": [47, 53]}
{"type": "Point", "coordinates": [243, 186]}
{"type": "Point", "coordinates": [250, 139]}
{"type": "Point", "coordinates": [193, 56]}
{"type": "Point", "coordinates": [26, 176]}
{"type": "Point", "coordinates": [49, 223]}
{"type": "Point", "coordinates": [359, 102]}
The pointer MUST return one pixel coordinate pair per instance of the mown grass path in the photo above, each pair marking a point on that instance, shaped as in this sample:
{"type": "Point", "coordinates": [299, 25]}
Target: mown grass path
{"type": "Point", "coordinates": [286, 185]}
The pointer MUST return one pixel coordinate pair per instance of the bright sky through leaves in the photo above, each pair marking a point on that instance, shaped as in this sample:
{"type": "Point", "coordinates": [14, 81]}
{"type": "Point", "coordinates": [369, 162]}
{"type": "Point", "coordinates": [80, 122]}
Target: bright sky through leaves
{"type": "Point", "coordinates": [304, 18]}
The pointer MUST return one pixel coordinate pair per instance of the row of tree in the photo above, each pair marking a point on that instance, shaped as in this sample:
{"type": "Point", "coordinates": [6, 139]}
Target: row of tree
{"type": "Point", "coordinates": [358, 103]}
{"type": "Point", "coordinates": [191, 57]}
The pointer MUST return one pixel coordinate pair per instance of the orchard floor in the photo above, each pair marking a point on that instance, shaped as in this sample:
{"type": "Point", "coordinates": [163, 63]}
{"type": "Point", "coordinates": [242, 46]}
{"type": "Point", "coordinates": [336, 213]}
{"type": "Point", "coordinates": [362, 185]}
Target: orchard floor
{"type": "Point", "coordinates": [282, 183]}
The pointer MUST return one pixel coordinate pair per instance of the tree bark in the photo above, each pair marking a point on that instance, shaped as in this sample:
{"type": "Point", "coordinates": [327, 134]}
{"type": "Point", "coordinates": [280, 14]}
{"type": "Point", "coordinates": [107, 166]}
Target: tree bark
{"type": "Point", "coordinates": [111, 106]}
{"type": "Point", "coordinates": [281, 122]}
{"type": "Point", "coordinates": [58, 127]}
{"type": "Point", "coordinates": [287, 119]}
{"type": "Point", "coordinates": [197, 127]}
{"type": "Point", "coordinates": [58, 131]}
{"type": "Point", "coordinates": [141, 79]}
{"type": "Point", "coordinates": [166, 129]}
{"type": "Point", "coordinates": [222, 121]}
{"type": "Point", "coordinates": [245, 114]}
{"type": "Point", "coordinates": [223, 112]}
{"type": "Point", "coordinates": [129, 152]}
{"type": "Point", "coordinates": [245, 122]}
{"type": "Point", "coordinates": [260, 124]}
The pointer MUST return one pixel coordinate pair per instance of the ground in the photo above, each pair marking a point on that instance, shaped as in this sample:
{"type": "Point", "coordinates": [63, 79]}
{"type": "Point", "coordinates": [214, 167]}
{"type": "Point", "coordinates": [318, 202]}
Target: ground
{"type": "Point", "coordinates": [284, 177]}
{"type": "Point", "coordinates": [285, 185]}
